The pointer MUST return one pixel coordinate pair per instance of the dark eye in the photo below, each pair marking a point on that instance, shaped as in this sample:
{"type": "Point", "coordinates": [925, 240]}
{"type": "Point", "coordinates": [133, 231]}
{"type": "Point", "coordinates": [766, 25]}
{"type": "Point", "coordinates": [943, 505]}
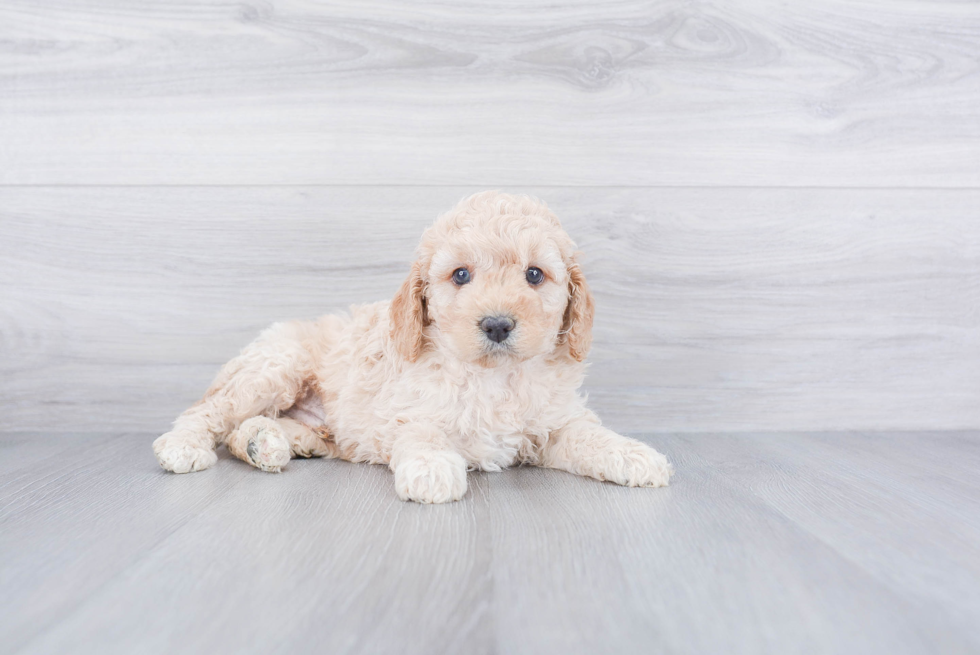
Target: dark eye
{"type": "Point", "coordinates": [461, 276]}
{"type": "Point", "coordinates": [534, 276]}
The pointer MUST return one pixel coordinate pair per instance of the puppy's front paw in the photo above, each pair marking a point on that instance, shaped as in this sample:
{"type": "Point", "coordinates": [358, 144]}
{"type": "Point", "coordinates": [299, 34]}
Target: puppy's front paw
{"type": "Point", "coordinates": [266, 446]}
{"type": "Point", "coordinates": [431, 477]}
{"type": "Point", "coordinates": [182, 453]}
{"type": "Point", "coordinates": [635, 464]}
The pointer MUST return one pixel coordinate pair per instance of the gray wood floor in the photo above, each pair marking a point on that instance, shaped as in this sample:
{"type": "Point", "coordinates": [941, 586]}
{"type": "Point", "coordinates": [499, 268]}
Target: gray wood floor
{"type": "Point", "coordinates": [765, 543]}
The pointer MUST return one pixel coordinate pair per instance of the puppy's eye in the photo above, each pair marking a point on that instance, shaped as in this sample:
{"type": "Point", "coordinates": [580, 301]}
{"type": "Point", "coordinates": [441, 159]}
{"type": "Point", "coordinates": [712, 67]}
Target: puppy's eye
{"type": "Point", "coordinates": [534, 276]}
{"type": "Point", "coordinates": [461, 276]}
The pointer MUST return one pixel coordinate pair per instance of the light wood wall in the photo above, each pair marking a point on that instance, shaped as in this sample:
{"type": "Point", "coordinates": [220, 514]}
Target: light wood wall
{"type": "Point", "coordinates": [779, 204]}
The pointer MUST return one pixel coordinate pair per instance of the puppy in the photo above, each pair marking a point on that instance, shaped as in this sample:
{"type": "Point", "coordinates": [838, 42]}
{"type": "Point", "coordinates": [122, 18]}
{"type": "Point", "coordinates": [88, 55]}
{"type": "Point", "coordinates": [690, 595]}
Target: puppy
{"type": "Point", "coordinates": [474, 364]}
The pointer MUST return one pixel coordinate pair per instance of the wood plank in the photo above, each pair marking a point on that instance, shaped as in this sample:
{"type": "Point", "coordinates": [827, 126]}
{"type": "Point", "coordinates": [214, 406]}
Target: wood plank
{"type": "Point", "coordinates": [920, 528]}
{"type": "Point", "coordinates": [763, 543]}
{"type": "Point", "coordinates": [724, 309]}
{"type": "Point", "coordinates": [25, 451]}
{"type": "Point", "coordinates": [706, 566]}
{"type": "Point", "coordinates": [323, 556]}
{"type": "Point", "coordinates": [827, 93]}
{"type": "Point", "coordinates": [70, 524]}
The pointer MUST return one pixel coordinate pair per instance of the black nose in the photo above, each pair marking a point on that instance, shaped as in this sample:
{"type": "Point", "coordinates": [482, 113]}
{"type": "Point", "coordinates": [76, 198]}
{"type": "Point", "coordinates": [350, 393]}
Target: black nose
{"type": "Point", "coordinates": [497, 328]}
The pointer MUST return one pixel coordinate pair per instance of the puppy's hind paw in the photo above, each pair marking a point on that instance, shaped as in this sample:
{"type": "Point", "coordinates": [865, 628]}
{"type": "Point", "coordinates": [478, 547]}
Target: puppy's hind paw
{"type": "Point", "coordinates": [183, 454]}
{"type": "Point", "coordinates": [266, 446]}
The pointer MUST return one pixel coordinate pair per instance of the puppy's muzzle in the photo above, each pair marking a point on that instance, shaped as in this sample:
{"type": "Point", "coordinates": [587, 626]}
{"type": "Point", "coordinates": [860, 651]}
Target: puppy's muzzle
{"type": "Point", "coordinates": [497, 328]}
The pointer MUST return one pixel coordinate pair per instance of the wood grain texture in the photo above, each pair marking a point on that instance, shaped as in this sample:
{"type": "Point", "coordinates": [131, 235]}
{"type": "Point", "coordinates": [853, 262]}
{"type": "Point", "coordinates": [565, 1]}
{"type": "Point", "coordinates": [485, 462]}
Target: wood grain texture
{"type": "Point", "coordinates": [827, 93]}
{"type": "Point", "coordinates": [718, 309]}
{"type": "Point", "coordinates": [764, 543]}
{"type": "Point", "coordinates": [76, 519]}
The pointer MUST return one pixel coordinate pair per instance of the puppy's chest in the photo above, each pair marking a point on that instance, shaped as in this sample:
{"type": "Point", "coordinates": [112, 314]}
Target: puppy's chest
{"type": "Point", "coordinates": [498, 412]}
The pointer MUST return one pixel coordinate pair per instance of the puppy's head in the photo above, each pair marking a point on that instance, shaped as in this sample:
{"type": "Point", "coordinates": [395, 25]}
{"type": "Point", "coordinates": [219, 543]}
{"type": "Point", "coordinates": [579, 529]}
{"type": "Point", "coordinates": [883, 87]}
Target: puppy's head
{"type": "Point", "coordinates": [495, 280]}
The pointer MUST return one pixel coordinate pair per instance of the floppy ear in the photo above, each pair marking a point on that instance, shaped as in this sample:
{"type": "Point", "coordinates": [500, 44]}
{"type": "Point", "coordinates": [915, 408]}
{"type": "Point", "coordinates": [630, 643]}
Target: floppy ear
{"type": "Point", "coordinates": [408, 315]}
{"type": "Point", "coordinates": [577, 325]}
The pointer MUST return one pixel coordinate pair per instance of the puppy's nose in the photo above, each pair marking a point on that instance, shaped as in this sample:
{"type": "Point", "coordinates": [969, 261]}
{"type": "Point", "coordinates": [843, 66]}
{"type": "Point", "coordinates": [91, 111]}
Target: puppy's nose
{"type": "Point", "coordinates": [497, 328]}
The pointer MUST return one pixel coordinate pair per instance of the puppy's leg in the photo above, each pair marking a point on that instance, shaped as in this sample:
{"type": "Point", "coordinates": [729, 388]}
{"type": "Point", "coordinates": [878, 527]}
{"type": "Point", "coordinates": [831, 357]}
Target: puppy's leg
{"type": "Point", "coordinates": [426, 468]}
{"type": "Point", "coordinates": [584, 447]}
{"type": "Point", "coordinates": [264, 379]}
{"type": "Point", "coordinates": [268, 443]}
{"type": "Point", "coordinates": [305, 441]}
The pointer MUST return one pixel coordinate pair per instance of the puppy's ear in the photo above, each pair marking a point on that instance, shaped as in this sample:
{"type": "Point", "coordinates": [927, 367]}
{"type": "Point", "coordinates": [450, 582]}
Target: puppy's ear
{"type": "Point", "coordinates": [577, 325]}
{"type": "Point", "coordinates": [408, 315]}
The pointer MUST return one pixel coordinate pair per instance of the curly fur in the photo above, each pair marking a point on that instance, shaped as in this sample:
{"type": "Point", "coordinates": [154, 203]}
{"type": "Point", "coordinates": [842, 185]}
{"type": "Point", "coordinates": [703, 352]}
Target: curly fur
{"type": "Point", "coordinates": [416, 384]}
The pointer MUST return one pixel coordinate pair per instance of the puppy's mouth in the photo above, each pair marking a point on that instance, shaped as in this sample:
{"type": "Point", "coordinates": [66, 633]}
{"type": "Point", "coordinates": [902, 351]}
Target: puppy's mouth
{"type": "Point", "coordinates": [503, 348]}
{"type": "Point", "coordinates": [494, 354]}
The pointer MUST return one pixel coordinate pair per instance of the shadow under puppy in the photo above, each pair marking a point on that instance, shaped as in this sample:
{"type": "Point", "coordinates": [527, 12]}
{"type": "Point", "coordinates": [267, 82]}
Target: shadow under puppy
{"type": "Point", "coordinates": [474, 364]}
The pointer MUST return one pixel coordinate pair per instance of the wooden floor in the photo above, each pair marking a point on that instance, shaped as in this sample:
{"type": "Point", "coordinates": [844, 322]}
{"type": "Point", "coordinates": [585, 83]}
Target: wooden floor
{"type": "Point", "coordinates": [765, 543]}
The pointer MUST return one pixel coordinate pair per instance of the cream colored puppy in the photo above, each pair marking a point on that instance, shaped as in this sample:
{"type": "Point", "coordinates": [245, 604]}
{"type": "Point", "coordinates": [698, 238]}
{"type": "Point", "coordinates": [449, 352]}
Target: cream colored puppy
{"type": "Point", "coordinates": [475, 364]}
